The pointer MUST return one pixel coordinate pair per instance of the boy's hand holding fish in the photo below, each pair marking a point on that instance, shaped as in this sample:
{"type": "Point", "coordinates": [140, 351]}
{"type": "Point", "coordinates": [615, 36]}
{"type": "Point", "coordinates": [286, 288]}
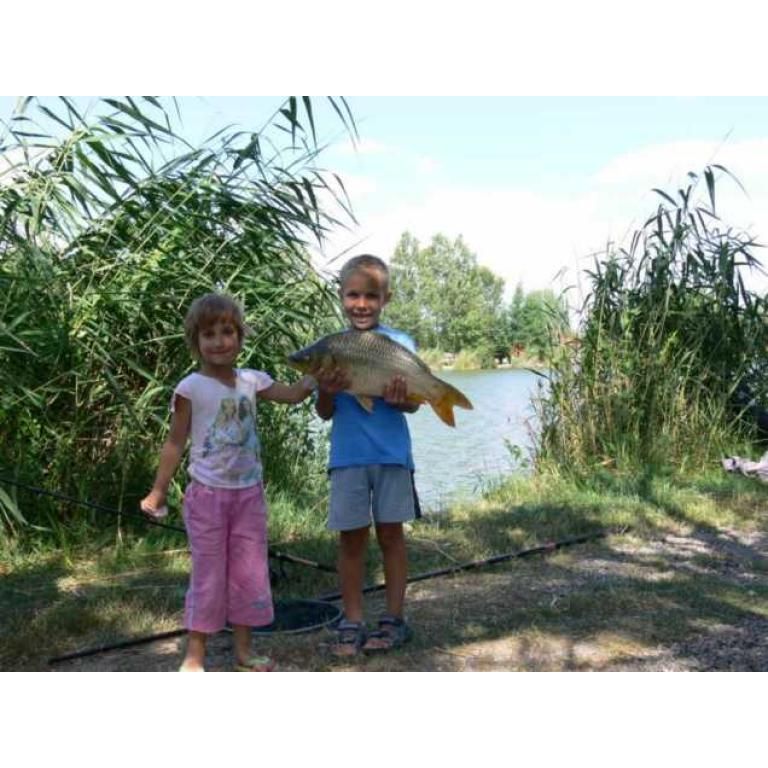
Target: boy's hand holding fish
{"type": "Point", "coordinates": [396, 394]}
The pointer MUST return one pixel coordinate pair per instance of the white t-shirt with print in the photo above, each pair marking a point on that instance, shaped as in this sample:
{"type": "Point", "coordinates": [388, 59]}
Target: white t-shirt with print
{"type": "Point", "coordinates": [225, 448]}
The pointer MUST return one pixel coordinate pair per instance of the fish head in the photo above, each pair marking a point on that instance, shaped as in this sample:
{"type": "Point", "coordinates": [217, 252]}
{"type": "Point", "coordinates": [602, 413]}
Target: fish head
{"type": "Point", "coordinates": [311, 359]}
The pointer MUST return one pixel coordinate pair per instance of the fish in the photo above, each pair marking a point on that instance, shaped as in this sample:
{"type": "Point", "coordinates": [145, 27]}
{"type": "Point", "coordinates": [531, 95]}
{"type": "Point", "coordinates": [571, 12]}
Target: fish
{"type": "Point", "coordinates": [371, 360]}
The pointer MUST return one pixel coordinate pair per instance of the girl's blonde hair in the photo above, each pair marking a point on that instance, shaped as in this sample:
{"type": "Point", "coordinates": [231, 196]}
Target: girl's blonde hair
{"type": "Point", "coordinates": [205, 311]}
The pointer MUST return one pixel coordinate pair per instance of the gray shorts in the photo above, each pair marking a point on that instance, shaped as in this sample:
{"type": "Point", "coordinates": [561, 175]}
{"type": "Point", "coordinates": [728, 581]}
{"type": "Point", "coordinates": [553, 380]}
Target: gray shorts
{"type": "Point", "coordinates": [382, 491]}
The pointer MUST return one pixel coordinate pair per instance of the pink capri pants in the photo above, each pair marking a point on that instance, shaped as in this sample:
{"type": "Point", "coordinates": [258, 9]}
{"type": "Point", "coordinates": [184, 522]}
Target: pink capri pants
{"type": "Point", "coordinates": [227, 531]}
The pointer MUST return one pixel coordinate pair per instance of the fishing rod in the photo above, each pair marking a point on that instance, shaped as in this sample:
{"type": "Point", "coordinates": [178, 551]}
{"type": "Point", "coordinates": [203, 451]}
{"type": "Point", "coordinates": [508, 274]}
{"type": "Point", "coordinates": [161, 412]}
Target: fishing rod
{"type": "Point", "coordinates": [546, 548]}
{"type": "Point", "coordinates": [151, 521]}
{"type": "Point", "coordinates": [95, 650]}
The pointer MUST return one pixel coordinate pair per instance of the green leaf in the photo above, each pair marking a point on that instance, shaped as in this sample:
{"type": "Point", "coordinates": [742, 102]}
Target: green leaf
{"type": "Point", "coordinates": [10, 508]}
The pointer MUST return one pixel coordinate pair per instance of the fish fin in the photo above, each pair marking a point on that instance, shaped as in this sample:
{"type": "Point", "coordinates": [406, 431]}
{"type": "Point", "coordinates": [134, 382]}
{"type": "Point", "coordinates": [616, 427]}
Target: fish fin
{"type": "Point", "coordinates": [459, 398]}
{"type": "Point", "coordinates": [443, 406]}
{"type": "Point", "coordinates": [444, 410]}
{"type": "Point", "coordinates": [365, 402]}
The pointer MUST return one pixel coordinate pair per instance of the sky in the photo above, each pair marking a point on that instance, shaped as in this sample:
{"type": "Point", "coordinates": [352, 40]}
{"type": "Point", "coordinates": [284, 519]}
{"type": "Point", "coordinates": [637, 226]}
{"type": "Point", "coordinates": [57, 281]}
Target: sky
{"type": "Point", "coordinates": [535, 186]}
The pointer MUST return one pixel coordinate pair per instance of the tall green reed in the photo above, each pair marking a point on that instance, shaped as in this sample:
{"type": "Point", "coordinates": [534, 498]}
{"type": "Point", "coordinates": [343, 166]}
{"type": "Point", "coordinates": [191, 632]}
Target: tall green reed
{"type": "Point", "coordinates": [669, 334]}
{"type": "Point", "coordinates": [110, 224]}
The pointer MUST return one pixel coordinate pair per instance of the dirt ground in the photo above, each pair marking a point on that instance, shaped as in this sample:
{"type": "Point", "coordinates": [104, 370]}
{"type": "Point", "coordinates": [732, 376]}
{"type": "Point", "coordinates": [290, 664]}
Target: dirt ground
{"type": "Point", "coordinates": [686, 602]}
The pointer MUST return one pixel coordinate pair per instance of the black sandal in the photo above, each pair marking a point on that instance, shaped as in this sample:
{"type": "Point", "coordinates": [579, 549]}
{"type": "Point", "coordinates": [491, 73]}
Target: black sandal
{"type": "Point", "coordinates": [393, 632]}
{"type": "Point", "coordinates": [350, 637]}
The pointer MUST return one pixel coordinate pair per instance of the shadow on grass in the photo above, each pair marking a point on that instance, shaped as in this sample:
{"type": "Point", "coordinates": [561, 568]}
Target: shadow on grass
{"type": "Point", "coordinates": [47, 609]}
{"type": "Point", "coordinates": [622, 603]}
{"type": "Point", "coordinates": [600, 607]}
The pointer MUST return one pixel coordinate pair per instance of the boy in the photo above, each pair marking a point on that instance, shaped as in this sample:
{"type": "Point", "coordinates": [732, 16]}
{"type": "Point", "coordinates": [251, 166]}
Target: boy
{"type": "Point", "coordinates": [370, 469]}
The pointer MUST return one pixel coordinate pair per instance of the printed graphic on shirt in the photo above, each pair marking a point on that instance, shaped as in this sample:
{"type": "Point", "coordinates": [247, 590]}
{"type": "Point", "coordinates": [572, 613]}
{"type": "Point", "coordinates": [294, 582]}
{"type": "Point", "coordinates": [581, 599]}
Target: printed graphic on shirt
{"type": "Point", "coordinates": [232, 440]}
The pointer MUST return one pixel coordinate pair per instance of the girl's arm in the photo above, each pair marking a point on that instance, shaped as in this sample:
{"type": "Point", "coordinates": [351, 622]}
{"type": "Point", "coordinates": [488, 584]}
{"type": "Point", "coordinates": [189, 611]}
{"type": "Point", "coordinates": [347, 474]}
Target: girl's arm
{"type": "Point", "coordinates": [170, 455]}
{"type": "Point", "coordinates": [278, 392]}
{"type": "Point", "coordinates": [329, 383]}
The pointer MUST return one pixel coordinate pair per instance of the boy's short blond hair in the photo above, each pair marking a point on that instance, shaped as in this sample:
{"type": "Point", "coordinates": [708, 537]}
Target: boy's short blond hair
{"type": "Point", "coordinates": [207, 309]}
{"type": "Point", "coordinates": [364, 261]}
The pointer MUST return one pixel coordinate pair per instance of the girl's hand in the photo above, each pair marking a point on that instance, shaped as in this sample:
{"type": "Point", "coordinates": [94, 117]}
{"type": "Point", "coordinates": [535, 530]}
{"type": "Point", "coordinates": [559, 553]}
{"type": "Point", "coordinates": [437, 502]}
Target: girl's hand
{"type": "Point", "coordinates": [153, 504]}
{"type": "Point", "coordinates": [309, 384]}
{"type": "Point", "coordinates": [332, 380]}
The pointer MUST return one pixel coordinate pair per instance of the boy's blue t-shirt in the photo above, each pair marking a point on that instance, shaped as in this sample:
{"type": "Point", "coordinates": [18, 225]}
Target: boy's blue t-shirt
{"type": "Point", "coordinates": [380, 437]}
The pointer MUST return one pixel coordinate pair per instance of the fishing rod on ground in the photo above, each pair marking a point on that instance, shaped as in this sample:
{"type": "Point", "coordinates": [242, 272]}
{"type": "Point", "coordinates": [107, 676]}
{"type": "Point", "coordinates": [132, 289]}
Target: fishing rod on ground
{"type": "Point", "coordinates": [550, 546]}
{"type": "Point", "coordinates": [282, 556]}
{"type": "Point", "coordinates": [543, 549]}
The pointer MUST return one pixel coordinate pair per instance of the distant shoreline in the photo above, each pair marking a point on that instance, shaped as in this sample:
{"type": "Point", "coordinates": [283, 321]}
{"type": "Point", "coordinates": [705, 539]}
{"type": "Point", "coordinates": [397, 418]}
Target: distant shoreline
{"type": "Point", "coordinates": [535, 365]}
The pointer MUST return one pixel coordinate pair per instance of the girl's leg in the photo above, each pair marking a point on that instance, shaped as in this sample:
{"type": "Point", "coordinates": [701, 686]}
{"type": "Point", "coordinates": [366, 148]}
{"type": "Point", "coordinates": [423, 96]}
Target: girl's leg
{"type": "Point", "coordinates": [205, 605]}
{"type": "Point", "coordinates": [194, 660]}
{"type": "Point", "coordinates": [245, 659]}
{"type": "Point", "coordinates": [249, 595]}
{"type": "Point", "coordinates": [242, 642]}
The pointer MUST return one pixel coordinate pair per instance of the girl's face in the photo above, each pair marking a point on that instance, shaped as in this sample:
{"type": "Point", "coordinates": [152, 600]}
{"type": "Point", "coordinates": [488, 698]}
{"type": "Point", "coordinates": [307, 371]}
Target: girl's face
{"type": "Point", "coordinates": [219, 344]}
{"type": "Point", "coordinates": [363, 296]}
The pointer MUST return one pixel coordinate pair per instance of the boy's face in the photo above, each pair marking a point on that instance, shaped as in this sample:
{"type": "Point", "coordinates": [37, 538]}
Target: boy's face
{"type": "Point", "coordinates": [363, 295]}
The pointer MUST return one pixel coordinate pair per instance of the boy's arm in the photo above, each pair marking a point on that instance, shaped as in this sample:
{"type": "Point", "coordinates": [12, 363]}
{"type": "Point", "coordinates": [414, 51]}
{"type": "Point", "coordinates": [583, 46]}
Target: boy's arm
{"type": "Point", "coordinates": [170, 455]}
{"type": "Point", "coordinates": [278, 392]}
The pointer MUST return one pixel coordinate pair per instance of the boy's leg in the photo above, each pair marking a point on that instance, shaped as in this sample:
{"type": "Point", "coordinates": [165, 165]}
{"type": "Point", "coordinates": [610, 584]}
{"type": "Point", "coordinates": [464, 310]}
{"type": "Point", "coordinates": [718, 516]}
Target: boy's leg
{"type": "Point", "coordinates": [353, 546]}
{"type": "Point", "coordinates": [392, 542]}
{"type": "Point", "coordinates": [350, 514]}
{"type": "Point", "coordinates": [392, 629]}
{"type": "Point", "coordinates": [393, 504]}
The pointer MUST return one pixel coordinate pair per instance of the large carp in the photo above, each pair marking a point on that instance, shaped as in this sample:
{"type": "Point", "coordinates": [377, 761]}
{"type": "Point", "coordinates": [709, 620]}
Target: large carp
{"type": "Point", "coordinates": [370, 361]}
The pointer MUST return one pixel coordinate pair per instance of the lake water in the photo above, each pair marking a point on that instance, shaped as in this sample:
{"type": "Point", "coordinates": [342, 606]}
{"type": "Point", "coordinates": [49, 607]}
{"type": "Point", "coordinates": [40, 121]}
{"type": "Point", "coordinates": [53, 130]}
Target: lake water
{"type": "Point", "coordinates": [457, 462]}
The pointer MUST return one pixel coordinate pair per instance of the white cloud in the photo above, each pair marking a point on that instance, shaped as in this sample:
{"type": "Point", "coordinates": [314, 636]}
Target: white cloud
{"type": "Point", "coordinates": [359, 188]}
{"type": "Point", "coordinates": [426, 164]}
{"type": "Point", "coordinates": [530, 237]}
{"type": "Point", "coordinates": [363, 147]}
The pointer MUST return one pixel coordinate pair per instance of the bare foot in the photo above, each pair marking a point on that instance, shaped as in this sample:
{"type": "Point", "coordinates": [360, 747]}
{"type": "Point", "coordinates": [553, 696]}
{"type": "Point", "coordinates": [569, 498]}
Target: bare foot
{"type": "Point", "coordinates": [190, 665]}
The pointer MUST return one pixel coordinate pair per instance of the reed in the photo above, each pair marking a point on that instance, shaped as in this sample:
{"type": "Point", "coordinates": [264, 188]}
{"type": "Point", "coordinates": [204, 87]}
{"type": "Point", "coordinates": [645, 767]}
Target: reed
{"type": "Point", "coordinates": [110, 224]}
{"type": "Point", "coordinates": [670, 334]}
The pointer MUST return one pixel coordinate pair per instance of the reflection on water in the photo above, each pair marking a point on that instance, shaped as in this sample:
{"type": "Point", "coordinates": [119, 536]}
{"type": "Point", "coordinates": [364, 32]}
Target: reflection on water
{"type": "Point", "coordinates": [457, 462]}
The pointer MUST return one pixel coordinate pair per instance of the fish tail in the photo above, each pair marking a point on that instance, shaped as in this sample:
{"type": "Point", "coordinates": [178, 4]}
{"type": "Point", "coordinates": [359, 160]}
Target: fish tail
{"type": "Point", "coordinates": [443, 406]}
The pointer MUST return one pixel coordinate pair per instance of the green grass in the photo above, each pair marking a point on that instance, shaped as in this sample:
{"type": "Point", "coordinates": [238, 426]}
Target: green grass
{"type": "Point", "coordinates": [53, 603]}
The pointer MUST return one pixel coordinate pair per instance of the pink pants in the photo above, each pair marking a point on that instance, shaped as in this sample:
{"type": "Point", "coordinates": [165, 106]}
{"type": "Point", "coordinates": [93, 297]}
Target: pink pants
{"type": "Point", "coordinates": [227, 531]}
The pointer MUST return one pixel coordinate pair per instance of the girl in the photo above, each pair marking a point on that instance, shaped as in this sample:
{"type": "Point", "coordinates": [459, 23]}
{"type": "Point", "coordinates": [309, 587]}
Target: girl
{"type": "Point", "coordinates": [224, 508]}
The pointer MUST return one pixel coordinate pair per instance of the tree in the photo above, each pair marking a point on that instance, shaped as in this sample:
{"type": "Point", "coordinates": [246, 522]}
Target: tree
{"type": "Point", "coordinates": [541, 319]}
{"type": "Point", "coordinates": [442, 296]}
